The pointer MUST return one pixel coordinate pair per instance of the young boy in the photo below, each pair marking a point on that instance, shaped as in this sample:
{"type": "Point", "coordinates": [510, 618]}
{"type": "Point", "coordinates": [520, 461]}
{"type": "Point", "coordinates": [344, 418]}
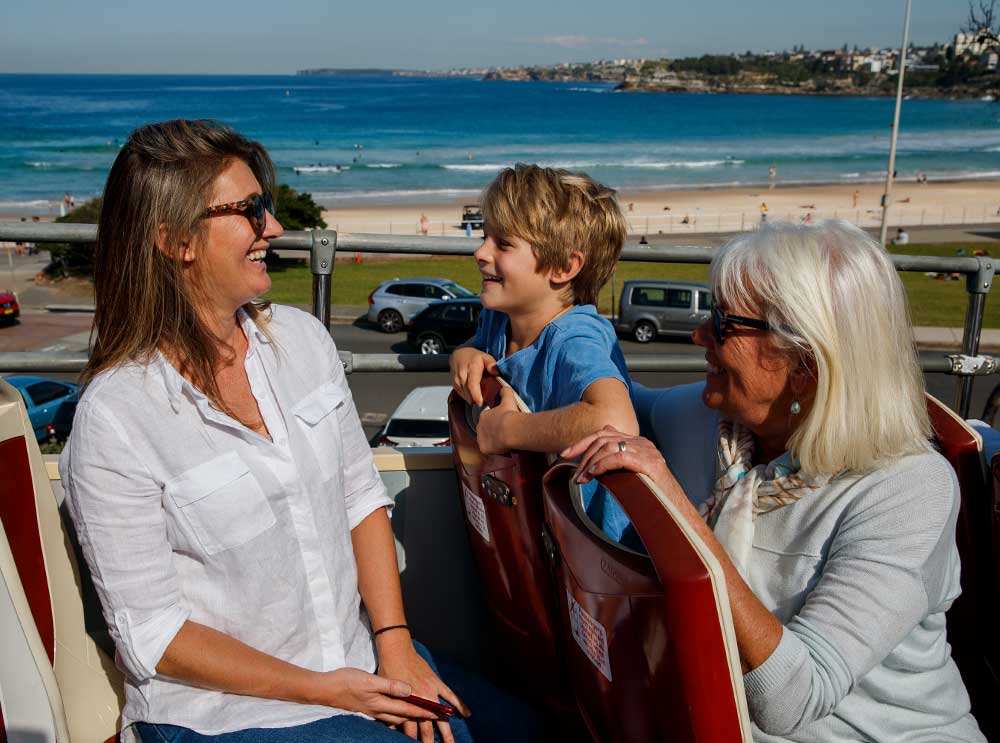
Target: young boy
{"type": "Point", "coordinates": [552, 239]}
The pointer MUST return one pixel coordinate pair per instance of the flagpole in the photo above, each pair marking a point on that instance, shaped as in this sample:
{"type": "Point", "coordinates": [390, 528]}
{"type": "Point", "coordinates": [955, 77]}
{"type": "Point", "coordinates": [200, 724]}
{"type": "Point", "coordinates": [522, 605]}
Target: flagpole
{"type": "Point", "coordinates": [887, 196]}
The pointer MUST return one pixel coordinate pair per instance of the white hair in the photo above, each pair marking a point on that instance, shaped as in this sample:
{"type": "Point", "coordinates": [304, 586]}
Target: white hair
{"type": "Point", "coordinates": [832, 296]}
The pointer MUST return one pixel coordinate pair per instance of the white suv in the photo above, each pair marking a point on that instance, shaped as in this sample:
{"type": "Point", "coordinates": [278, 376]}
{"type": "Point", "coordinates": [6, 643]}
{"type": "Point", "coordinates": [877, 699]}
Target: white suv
{"type": "Point", "coordinates": [394, 303]}
{"type": "Point", "coordinates": [420, 420]}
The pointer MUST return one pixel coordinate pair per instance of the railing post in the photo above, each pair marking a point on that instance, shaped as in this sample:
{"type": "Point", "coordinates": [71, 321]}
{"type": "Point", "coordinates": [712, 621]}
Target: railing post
{"type": "Point", "coordinates": [978, 286]}
{"type": "Point", "coordinates": [321, 255]}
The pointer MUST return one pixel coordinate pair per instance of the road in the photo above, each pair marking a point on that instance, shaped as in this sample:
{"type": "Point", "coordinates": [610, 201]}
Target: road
{"type": "Point", "coordinates": [377, 394]}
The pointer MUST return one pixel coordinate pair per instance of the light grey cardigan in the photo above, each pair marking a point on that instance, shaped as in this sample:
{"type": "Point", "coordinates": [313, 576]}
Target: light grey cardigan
{"type": "Point", "coordinates": [860, 573]}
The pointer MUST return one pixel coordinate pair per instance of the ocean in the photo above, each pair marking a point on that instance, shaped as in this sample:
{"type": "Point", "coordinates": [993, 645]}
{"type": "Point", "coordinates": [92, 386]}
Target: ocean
{"type": "Point", "coordinates": [430, 140]}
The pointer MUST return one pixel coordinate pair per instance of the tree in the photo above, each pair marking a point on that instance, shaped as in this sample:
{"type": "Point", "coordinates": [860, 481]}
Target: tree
{"type": "Point", "coordinates": [297, 210]}
{"type": "Point", "coordinates": [984, 23]}
{"type": "Point", "coordinates": [75, 258]}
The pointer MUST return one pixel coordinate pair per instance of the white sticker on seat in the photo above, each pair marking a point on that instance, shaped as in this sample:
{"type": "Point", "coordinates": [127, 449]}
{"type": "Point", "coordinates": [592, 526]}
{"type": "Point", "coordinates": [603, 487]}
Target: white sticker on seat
{"type": "Point", "coordinates": [590, 635]}
{"type": "Point", "coordinates": [475, 512]}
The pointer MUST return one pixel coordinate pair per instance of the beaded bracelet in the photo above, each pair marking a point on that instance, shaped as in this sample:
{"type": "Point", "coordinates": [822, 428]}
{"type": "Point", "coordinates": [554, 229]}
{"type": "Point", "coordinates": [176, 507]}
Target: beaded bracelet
{"type": "Point", "coordinates": [378, 632]}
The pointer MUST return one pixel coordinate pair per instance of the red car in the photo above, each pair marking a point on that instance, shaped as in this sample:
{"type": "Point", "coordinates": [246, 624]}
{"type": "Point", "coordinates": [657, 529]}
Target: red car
{"type": "Point", "coordinates": [9, 308]}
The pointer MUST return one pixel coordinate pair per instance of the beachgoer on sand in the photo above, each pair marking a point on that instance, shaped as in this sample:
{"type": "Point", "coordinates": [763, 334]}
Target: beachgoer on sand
{"type": "Point", "coordinates": [425, 224]}
{"type": "Point", "coordinates": [855, 198]}
{"type": "Point", "coordinates": [772, 176]}
{"type": "Point", "coordinates": [763, 211]}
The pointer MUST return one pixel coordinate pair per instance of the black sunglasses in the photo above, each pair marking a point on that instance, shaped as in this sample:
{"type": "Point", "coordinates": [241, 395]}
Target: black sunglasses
{"type": "Point", "coordinates": [255, 209]}
{"type": "Point", "coordinates": [723, 321]}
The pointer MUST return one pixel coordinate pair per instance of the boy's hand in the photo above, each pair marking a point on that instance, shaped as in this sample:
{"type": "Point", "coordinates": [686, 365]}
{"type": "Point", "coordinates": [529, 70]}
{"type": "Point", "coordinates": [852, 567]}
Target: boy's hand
{"type": "Point", "coordinates": [492, 423]}
{"type": "Point", "coordinates": [467, 368]}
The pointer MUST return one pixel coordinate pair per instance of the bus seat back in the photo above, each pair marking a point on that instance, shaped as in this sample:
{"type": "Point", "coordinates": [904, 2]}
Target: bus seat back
{"type": "Point", "coordinates": [970, 619]}
{"type": "Point", "coordinates": [649, 641]}
{"type": "Point", "coordinates": [28, 687]}
{"type": "Point", "coordinates": [501, 502]}
{"type": "Point", "coordinates": [83, 691]}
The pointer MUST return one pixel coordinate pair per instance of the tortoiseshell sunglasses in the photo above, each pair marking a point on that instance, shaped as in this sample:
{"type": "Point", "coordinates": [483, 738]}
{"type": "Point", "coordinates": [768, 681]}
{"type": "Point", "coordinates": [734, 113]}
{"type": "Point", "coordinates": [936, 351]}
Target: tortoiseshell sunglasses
{"type": "Point", "coordinates": [255, 209]}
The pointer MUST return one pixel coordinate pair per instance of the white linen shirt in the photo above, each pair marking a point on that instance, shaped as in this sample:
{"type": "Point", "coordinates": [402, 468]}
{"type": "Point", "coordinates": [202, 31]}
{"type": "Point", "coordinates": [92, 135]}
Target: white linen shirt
{"type": "Point", "coordinates": [185, 514]}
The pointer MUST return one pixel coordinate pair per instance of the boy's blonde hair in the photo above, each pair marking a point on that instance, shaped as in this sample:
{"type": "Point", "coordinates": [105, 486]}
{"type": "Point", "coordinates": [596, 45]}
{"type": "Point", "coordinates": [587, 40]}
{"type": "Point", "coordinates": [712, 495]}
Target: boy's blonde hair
{"type": "Point", "coordinates": [559, 212]}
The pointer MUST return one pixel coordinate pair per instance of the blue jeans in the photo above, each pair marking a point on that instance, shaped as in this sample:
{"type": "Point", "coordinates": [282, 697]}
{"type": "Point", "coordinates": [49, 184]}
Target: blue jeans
{"type": "Point", "coordinates": [496, 716]}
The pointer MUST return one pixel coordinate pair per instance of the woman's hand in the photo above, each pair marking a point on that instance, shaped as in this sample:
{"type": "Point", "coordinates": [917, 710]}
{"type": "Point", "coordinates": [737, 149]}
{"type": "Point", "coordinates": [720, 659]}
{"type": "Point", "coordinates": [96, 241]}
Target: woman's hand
{"type": "Point", "coordinates": [401, 661]}
{"type": "Point", "coordinates": [610, 449]}
{"type": "Point", "coordinates": [380, 697]}
{"type": "Point", "coordinates": [468, 365]}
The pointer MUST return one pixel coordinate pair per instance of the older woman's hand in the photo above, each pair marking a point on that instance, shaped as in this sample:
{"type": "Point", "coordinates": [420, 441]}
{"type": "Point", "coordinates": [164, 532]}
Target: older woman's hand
{"type": "Point", "coordinates": [610, 449]}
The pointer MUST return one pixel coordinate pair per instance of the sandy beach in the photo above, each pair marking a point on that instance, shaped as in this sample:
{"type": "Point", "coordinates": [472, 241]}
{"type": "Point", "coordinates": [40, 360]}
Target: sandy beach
{"type": "Point", "coordinates": [652, 212]}
{"type": "Point", "coordinates": [725, 209]}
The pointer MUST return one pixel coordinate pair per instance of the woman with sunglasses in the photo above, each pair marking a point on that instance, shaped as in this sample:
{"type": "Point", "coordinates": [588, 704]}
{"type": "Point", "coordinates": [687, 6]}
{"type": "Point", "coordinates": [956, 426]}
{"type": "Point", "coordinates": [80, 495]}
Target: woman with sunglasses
{"type": "Point", "coordinates": [803, 461]}
{"type": "Point", "coordinates": [223, 492]}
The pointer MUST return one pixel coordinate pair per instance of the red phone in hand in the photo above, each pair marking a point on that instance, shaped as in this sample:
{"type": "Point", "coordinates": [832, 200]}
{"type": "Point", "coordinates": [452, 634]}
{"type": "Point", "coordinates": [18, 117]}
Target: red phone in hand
{"type": "Point", "coordinates": [444, 710]}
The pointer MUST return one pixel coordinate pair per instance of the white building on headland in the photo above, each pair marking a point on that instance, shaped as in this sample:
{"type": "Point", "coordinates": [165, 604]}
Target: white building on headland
{"type": "Point", "coordinates": [973, 44]}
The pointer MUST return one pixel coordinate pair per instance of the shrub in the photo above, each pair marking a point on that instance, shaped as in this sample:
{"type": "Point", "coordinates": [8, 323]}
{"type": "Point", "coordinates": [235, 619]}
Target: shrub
{"type": "Point", "coordinates": [295, 210]}
{"type": "Point", "coordinates": [75, 258]}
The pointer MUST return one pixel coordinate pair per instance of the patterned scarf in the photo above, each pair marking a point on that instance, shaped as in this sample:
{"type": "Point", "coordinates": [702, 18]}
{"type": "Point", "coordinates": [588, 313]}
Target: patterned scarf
{"type": "Point", "coordinates": [743, 491]}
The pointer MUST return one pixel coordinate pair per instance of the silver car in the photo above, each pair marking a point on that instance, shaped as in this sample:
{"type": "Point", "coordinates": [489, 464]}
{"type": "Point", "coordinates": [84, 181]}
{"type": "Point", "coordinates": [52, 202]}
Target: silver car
{"type": "Point", "coordinates": [395, 302]}
{"type": "Point", "coordinates": [651, 307]}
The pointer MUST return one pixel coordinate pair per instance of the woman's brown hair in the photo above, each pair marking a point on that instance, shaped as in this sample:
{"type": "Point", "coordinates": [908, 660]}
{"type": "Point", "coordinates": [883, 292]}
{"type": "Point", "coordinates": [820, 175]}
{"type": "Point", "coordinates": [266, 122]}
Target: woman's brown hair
{"type": "Point", "coordinates": [157, 190]}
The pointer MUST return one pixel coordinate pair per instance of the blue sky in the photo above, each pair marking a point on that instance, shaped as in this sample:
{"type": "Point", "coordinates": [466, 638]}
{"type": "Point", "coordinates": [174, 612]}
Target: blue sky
{"type": "Point", "coordinates": [254, 36]}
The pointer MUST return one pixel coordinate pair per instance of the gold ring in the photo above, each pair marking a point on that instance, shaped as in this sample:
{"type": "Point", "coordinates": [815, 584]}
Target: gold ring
{"type": "Point", "coordinates": [621, 446]}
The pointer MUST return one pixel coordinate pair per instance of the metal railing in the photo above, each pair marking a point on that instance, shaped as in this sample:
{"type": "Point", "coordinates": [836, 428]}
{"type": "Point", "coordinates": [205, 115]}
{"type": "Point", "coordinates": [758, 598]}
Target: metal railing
{"type": "Point", "coordinates": [323, 245]}
{"type": "Point", "coordinates": [698, 220]}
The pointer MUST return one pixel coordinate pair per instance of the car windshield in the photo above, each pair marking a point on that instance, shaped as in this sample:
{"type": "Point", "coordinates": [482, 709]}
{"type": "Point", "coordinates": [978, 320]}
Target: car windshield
{"type": "Point", "coordinates": [458, 291]}
{"type": "Point", "coordinates": [417, 429]}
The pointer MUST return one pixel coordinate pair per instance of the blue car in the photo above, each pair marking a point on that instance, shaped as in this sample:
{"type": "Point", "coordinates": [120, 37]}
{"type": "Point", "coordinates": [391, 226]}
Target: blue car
{"type": "Point", "coordinates": [50, 405]}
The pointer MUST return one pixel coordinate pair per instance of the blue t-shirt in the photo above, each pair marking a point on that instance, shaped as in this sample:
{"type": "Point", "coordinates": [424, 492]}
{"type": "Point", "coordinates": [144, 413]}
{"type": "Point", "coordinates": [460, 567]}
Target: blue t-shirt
{"type": "Point", "coordinates": [573, 351]}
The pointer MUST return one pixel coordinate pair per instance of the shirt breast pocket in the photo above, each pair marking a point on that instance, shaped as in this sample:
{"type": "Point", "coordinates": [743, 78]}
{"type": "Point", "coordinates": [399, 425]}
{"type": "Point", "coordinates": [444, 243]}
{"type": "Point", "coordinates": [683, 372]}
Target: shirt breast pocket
{"type": "Point", "coordinates": [317, 414]}
{"type": "Point", "coordinates": [222, 502]}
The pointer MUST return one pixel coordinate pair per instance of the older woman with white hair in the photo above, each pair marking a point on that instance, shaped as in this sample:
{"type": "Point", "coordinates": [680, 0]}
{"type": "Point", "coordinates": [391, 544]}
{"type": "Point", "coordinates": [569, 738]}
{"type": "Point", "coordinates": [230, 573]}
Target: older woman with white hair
{"type": "Point", "coordinates": [803, 461]}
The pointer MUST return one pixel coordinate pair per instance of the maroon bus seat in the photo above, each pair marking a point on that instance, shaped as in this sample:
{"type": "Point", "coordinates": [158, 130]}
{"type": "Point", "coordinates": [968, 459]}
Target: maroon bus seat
{"type": "Point", "coordinates": [649, 641]}
{"type": "Point", "coordinates": [19, 520]}
{"type": "Point", "coordinates": [972, 617]}
{"type": "Point", "coordinates": [54, 679]}
{"type": "Point", "coordinates": [502, 504]}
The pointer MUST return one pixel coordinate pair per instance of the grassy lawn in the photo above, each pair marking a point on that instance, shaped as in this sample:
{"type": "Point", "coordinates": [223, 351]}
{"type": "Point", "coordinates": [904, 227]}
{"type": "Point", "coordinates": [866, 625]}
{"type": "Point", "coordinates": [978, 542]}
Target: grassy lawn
{"type": "Point", "coordinates": [932, 302]}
